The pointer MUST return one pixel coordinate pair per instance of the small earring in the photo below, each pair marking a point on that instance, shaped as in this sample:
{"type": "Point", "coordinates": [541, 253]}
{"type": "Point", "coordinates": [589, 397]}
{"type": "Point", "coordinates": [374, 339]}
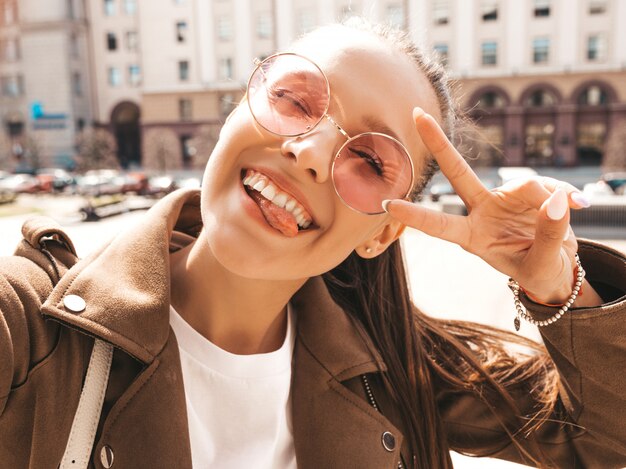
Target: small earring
{"type": "Point", "coordinates": [368, 250]}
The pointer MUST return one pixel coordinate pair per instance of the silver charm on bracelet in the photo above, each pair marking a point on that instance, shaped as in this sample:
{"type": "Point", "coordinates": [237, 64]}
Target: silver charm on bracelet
{"type": "Point", "coordinates": [523, 314]}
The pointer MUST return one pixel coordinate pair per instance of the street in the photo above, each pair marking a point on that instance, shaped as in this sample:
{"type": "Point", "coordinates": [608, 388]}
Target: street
{"type": "Point", "coordinates": [446, 281]}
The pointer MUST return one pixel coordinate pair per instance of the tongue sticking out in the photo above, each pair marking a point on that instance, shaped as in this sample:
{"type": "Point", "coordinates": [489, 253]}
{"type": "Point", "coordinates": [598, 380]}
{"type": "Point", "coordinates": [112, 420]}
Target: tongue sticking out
{"type": "Point", "coordinates": [278, 218]}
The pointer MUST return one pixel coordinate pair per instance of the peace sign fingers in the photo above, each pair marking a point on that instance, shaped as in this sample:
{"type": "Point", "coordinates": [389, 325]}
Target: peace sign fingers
{"type": "Point", "coordinates": [465, 182]}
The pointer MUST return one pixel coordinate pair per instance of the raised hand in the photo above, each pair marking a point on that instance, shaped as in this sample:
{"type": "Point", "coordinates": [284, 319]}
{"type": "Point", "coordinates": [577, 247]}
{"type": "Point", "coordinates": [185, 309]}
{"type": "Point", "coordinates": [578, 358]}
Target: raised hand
{"type": "Point", "coordinates": [521, 228]}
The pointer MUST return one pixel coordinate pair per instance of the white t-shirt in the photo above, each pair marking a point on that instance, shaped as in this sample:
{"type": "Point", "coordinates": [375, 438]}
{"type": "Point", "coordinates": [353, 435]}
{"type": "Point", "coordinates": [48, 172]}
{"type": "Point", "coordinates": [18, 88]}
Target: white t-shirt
{"type": "Point", "coordinates": [238, 406]}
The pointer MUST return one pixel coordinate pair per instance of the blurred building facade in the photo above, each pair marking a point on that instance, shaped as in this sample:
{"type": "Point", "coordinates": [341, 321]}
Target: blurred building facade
{"type": "Point", "coordinates": [546, 79]}
{"type": "Point", "coordinates": [44, 81]}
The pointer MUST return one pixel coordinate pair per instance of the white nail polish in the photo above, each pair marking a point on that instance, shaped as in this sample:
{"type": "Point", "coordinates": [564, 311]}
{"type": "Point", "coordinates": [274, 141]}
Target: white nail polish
{"type": "Point", "coordinates": [580, 199]}
{"type": "Point", "coordinates": [557, 205]}
{"type": "Point", "coordinates": [385, 203]}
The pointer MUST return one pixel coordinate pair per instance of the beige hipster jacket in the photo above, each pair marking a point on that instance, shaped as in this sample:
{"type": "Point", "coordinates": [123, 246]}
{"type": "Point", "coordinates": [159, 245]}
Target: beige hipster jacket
{"type": "Point", "coordinates": [45, 350]}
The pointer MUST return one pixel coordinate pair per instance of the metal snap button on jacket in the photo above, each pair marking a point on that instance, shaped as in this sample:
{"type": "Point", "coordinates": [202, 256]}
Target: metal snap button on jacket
{"type": "Point", "coordinates": [106, 456]}
{"type": "Point", "coordinates": [389, 441]}
{"type": "Point", "coordinates": [74, 303]}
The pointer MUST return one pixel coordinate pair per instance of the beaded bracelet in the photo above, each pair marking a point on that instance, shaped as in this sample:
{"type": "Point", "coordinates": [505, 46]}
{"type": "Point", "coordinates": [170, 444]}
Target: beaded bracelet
{"type": "Point", "coordinates": [522, 314]}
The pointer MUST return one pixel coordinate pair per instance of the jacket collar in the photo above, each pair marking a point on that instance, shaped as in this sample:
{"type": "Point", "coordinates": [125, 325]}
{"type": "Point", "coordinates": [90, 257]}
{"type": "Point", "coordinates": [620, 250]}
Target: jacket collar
{"type": "Point", "coordinates": [126, 288]}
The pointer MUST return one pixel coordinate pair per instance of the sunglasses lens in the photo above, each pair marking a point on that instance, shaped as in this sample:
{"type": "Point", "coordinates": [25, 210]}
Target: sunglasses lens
{"type": "Point", "coordinates": [288, 94]}
{"type": "Point", "coordinates": [369, 169]}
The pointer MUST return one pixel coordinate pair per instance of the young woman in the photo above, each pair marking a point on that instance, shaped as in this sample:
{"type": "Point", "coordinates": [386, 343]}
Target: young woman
{"type": "Point", "coordinates": [265, 320]}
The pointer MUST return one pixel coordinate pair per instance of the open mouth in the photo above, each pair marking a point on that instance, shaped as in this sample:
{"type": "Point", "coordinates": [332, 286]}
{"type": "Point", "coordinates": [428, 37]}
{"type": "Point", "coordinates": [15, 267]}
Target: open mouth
{"type": "Point", "coordinates": [281, 209]}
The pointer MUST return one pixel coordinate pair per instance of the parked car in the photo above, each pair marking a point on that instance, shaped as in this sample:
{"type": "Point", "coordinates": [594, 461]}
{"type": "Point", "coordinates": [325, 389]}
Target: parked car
{"type": "Point", "coordinates": [6, 195]}
{"type": "Point", "coordinates": [21, 184]}
{"type": "Point", "coordinates": [598, 189]}
{"type": "Point", "coordinates": [509, 173]}
{"type": "Point", "coordinates": [160, 185]}
{"type": "Point", "coordinates": [98, 182]}
{"type": "Point", "coordinates": [616, 181]}
{"type": "Point", "coordinates": [439, 189]}
{"type": "Point", "coordinates": [54, 179]}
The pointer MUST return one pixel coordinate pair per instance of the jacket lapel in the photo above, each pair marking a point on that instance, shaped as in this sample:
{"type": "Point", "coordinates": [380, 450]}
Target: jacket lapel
{"type": "Point", "coordinates": [333, 426]}
{"type": "Point", "coordinates": [125, 284]}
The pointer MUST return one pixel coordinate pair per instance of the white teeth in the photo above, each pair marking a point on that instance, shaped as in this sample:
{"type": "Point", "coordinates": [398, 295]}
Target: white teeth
{"type": "Point", "coordinates": [259, 186]}
{"type": "Point", "coordinates": [280, 200]}
{"type": "Point", "coordinates": [289, 206]}
{"type": "Point", "coordinates": [269, 192]}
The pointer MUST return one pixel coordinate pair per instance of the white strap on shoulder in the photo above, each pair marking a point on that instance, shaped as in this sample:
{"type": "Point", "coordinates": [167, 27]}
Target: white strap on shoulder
{"type": "Point", "coordinates": [80, 442]}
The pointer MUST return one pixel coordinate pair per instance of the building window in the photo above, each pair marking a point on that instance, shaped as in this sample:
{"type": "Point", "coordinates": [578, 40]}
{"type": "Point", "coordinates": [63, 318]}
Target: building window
{"type": "Point", "coordinates": [115, 76]}
{"type": "Point", "coordinates": [540, 98]}
{"type": "Point", "coordinates": [489, 10]}
{"type": "Point", "coordinates": [395, 15]}
{"type": "Point", "coordinates": [109, 7]}
{"type": "Point", "coordinates": [187, 150]}
{"type": "Point", "coordinates": [596, 47]}
{"type": "Point", "coordinates": [132, 42]}
{"type": "Point", "coordinates": [442, 51]}
{"type": "Point", "coordinates": [70, 9]}
{"type": "Point", "coordinates": [593, 96]}
{"type": "Point", "coordinates": [77, 84]}
{"type": "Point", "coordinates": [541, 50]}
{"type": "Point", "coordinates": [111, 41]}
{"type": "Point", "coordinates": [597, 7]}
{"type": "Point", "coordinates": [264, 25]}
{"type": "Point", "coordinates": [489, 53]}
{"type": "Point", "coordinates": [8, 14]}
{"type": "Point", "coordinates": [224, 28]}
{"type": "Point", "coordinates": [305, 20]}
{"type": "Point", "coordinates": [183, 70]}
{"type": "Point", "coordinates": [539, 144]}
{"type": "Point", "coordinates": [441, 11]}
{"type": "Point", "coordinates": [226, 68]}
{"type": "Point", "coordinates": [184, 109]}
{"type": "Point", "coordinates": [542, 8]}
{"type": "Point", "coordinates": [10, 50]}
{"type": "Point", "coordinates": [181, 31]}
{"type": "Point", "coordinates": [134, 75]}
{"type": "Point", "coordinates": [74, 48]}
{"type": "Point", "coordinates": [491, 100]}
{"type": "Point", "coordinates": [12, 86]}
{"type": "Point", "coordinates": [130, 7]}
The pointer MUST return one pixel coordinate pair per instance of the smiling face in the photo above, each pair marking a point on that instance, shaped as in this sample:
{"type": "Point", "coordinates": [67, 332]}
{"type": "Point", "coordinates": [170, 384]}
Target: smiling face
{"type": "Point", "coordinates": [373, 88]}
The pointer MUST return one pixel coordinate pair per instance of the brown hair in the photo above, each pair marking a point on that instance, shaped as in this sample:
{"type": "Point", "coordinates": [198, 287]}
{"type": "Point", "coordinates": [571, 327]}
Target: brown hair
{"type": "Point", "coordinates": [422, 353]}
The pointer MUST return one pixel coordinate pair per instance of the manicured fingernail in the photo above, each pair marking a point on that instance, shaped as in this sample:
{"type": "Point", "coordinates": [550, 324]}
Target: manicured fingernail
{"type": "Point", "coordinates": [580, 199]}
{"type": "Point", "coordinates": [417, 112]}
{"type": "Point", "coordinates": [385, 204]}
{"type": "Point", "coordinates": [566, 237]}
{"type": "Point", "coordinates": [557, 205]}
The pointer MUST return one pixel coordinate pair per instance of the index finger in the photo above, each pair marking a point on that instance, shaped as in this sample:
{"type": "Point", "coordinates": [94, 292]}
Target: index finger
{"type": "Point", "coordinates": [465, 182]}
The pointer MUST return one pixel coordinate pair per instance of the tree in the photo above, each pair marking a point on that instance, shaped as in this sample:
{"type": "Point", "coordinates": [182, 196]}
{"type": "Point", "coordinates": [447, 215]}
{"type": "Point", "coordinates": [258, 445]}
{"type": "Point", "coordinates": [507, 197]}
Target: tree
{"type": "Point", "coordinates": [31, 157]}
{"type": "Point", "coordinates": [6, 151]}
{"type": "Point", "coordinates": [162, 150]}
{"type": "Point", "coordinates": [203, 143]}
{"type": "Point", "coordinates": [96, 150]}
{"type": "Point", "coordinates": [615, 154]}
